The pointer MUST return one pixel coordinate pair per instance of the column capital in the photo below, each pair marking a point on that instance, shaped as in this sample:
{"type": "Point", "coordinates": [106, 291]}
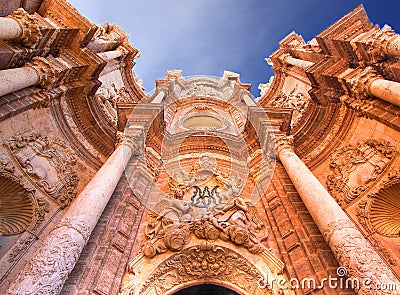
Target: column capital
{"type": "Point", "coordinates": [45, 71]}
{"type": "Point", "coordinates": [384, 42]}
{"type": "Point", "coordinates": [361, 83]}
{"type": "Point", "coordinates": [30, 29]}
{"type": "Point", "coordinates": [133, 137]}
{"type": "Point", "coordinates": [283, 142]}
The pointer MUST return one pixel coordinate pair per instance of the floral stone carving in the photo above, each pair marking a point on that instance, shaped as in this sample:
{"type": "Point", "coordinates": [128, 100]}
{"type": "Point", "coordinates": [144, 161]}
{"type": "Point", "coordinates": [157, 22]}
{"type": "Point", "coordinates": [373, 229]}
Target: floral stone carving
{"type": "Point", "coordinates": [171, 229]}
{"type": "Point", "coordinates": [203, 262]}
{"type": "Point", "coordinates": [48, 164]}
{"type": "Point", "coordinates": [355, 168]}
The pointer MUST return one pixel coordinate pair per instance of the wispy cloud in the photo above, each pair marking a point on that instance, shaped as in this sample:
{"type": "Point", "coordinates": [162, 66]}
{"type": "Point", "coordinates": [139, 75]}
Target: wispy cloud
{"type": "Point", "coordinates": [204, 37]}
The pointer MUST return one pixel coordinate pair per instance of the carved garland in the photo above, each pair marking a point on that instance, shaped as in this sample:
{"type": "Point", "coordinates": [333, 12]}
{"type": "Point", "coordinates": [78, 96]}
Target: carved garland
{"type": "Point", "coordinates": [355, 168]}
{"type": "Point", "coordinates": [204, 262]}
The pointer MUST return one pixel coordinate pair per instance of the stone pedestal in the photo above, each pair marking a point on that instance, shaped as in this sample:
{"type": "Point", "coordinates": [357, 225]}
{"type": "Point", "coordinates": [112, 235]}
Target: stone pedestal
{"type": "Point", "coordinates": [351, 249]}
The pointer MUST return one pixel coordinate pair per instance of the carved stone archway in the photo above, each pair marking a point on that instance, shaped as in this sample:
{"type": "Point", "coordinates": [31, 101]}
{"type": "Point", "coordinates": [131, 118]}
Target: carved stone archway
{"type": "Point", "coordinates": [199, 264]}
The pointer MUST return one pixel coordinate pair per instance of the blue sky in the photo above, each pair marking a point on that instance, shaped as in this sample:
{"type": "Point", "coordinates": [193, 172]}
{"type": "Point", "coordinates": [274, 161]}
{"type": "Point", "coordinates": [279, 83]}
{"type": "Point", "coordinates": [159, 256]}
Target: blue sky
{"type": "Point", "coordinates": [206, 37]}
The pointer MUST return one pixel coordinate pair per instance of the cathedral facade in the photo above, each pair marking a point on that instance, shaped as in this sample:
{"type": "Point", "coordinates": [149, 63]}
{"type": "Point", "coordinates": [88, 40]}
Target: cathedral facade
{"type": "Point", "coordinates": [105, 189]}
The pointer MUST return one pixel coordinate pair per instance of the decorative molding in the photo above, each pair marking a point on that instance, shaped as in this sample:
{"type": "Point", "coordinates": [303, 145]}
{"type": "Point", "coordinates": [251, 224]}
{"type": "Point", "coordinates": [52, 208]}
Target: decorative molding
{"type": "Point", "coordinates": [355, 168]}
{"type": "Point", "coordinates": [19, 248]}
{"type": "Point", "coordinates": [31, 34]}
{"type": "Point", "coordinates": [201, 263]}
{"type": "Point", "coordinates": [382, 249]}
{"type": "Point", "coordinates": [48, 164]}
{"type": "Point", "coordinates": [205, 87]}
{"type": "Point", "coordinates": [331, 131]}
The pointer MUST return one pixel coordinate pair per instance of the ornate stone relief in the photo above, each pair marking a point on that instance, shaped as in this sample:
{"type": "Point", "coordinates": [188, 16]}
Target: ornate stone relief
{"type": "Point", "coordinates": [205, 87]}
{"type": "Point", "coordinates": [355, 168]}
{"type": "Point", "coordinates": [357, 255]}
{"type": "Point", "coordinates": [198, 264]}
{"type": "Point", "coordinates": [108, 104]}
{"type": "Point", "coordinates": [45, 70]}
{"type": "Point", "coordinates": [31, 33]}
{"type": "Point", "coordinates": [381, 42]}
{"type": "Point", "coordinates": [133, 137]}
{"type": "Point", "coordinates": [237, 222]}
{"type": "Point", "coordinates": [50, 268]}
{"type": "Point", "coordinates": [48, 164]}
{"type": "Point", "coordinates": [380, 212]}
{"type": "Point", "coordinates": [108, 97]}
{"type": "Point", "coordinates": [294, 100]}
{"type": "Point", "coordinates": [20, 209]}
{"type": "Point", "coordinates": [361, 82]}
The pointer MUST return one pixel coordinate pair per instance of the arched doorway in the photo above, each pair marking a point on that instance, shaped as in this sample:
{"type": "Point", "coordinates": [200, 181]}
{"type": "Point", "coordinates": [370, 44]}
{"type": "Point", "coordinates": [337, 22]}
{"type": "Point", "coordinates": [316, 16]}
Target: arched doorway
{"type": "Point", "coordinates": [206, 289]}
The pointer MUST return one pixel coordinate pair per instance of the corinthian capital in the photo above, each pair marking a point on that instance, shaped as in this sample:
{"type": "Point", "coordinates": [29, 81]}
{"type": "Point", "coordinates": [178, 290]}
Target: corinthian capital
{"type": "Point", "coordinates": [283, 142]}
{"type": "Point", "coordinates": [45, 71]}
{"type": "Point", "coordinates": [360, 84]}
{"type": "Point", "coordinates": [133, 137]}
{"type": "Point", "coordinates": [384, 42]}
{"type": "Point", "coordinates": [30, 30]}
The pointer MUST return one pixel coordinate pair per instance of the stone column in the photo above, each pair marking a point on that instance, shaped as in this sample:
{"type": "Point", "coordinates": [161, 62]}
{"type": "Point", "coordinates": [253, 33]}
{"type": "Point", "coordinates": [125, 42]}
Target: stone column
{"type": "Point", "coordinates": [369, 82]}
{"type": "Point", "coordinates": [350, 247]}
{"type": "Point", "coordinates": [20, 26]}
{"type": "Point", "coordinates": [37, 72]}
{"type": "Point", "coordinates": [289, 60]}
{"type": "Point", "coordinates": [50, 266]}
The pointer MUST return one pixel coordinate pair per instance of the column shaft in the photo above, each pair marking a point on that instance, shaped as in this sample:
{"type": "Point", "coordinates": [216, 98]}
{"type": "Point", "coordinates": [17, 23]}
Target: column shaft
{"type": "Point", "coordinates": [386, 90]}
{"type": "Point", "coordinates": [15, 79]}
{"type": "Point", "coordinates": [50, 266]}
{"type": "Point", "coordinates": [350, 247]}
{"type": "Point", "coordinates": [303, 64]}
{"type": "Point", "coordinates": [9, 29]}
